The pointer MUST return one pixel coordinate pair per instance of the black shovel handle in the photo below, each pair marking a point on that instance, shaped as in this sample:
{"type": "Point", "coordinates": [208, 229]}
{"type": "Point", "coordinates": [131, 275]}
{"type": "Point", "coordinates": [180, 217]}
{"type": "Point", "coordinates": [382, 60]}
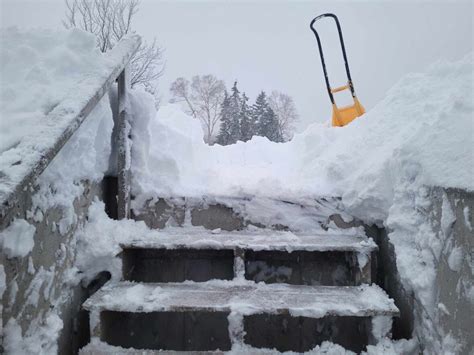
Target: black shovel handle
{"type": "Point", "coordinates": [341, 40]}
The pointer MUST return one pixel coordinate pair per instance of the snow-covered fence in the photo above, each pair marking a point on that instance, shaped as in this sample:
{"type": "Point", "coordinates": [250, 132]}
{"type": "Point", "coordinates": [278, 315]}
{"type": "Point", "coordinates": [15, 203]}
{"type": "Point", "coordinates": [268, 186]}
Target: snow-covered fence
{"type": "Point", "coordinates": [17, 179]}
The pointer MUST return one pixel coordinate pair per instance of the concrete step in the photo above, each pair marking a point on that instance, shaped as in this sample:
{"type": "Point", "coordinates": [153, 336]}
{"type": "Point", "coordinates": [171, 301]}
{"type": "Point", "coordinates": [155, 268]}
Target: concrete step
{"type": "Point", "coordinates": [331, 258]}
{"type": "Point", "coordinates": [238, 212]}
{"type": "Point", "coordinates": [217, 315]}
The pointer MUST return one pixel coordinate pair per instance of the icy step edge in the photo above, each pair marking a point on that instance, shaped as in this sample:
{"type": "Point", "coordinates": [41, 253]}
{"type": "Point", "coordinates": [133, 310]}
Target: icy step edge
{"type": "Point", "coordinates": [354, 241]}
{"type": "Point", "coordinates": [243, 297]}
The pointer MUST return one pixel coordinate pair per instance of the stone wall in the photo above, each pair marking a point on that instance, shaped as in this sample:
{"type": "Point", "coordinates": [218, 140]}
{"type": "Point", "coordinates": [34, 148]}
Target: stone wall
{"type": "Point", "coordinates": [41, 285]}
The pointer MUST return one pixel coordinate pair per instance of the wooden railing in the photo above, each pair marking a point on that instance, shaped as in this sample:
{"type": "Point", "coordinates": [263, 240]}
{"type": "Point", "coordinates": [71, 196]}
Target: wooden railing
{"type": "Point", "coordinates": [18, 178]}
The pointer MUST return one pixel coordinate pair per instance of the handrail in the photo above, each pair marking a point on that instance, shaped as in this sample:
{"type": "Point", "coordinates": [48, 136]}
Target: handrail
{"type": "Point", "coordinates": [61, 123]}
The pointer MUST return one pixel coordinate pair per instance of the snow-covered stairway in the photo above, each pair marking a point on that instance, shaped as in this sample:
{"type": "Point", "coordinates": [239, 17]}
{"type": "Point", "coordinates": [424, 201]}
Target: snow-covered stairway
{"type": "Point", "coordinates": [194, 290]}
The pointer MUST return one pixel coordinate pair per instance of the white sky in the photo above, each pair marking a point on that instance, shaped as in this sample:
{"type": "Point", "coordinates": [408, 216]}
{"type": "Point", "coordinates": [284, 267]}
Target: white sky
{"type": "Point", "coordinates": [268, 45]}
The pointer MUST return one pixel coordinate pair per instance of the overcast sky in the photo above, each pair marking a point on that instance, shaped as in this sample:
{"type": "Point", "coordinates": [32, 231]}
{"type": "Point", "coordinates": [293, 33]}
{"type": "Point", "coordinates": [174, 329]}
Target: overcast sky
{"type": "Point", "coordinates": [268, 44]}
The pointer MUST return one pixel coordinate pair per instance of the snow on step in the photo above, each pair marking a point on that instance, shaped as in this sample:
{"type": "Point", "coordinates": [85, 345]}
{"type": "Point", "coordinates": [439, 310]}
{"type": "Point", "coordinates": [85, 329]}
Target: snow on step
{"type": "Point", "coordinates": [194, 238]}
{"type": "Point", "coordinates": [244, 298]}
{"type": "Point", "coordinates": [97, 347]}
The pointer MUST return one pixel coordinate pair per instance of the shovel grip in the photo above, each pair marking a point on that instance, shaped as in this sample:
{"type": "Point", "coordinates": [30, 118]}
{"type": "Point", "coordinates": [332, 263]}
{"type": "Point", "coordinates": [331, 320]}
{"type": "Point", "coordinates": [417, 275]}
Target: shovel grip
{"type": "Point", "coordinates": [340, 88]}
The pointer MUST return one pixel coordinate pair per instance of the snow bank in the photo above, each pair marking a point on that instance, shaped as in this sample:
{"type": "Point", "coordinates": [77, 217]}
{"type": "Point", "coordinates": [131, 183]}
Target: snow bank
{"type": "Point", "coordinates": [84, 157]}
{"type": "Point", "coordinates": [419, 133]}
{"type": "Point", "coordinates": [143, 110]}
{"type": "Point", "coordinates": [40, 68]}
{"type": "Point", "coordinates": [40, 339]}
{"type": "Point", "coordinates": [45, 91]}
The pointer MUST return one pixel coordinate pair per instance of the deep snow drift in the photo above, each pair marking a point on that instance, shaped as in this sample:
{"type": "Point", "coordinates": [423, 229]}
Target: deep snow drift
{"type": "Point", "coordinates": [422, 131]}
{"type": "Point", "coordinates": [39, 70]}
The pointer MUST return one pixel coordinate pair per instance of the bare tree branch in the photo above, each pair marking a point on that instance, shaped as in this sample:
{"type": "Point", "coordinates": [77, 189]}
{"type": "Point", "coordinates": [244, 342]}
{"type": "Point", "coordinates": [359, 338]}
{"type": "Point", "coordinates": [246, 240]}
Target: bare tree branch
{"type": "Point", "coordinates": [203, 98]}
{"type": "Point", "coordinates": [285, 110]}
{"type": "Point", "coordinates": [109, 21]}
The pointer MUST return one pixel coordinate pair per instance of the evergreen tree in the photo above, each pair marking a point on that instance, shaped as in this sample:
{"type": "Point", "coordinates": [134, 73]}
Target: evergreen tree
{"type": "Point", "coordinates": [234, 112]}
{"type": "Point", "coordinates": [266, 120]}
{"type": "Point", "coordinates": [247, 129]}
{"type": "Point", "coordinates": [225, 137]}
{"type": "Point", "coordinates": [257, 112]}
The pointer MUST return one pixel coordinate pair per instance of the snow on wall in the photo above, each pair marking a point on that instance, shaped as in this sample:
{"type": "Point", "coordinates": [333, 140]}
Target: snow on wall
{"type": "Point", "coordinates": [446, 313]}
{"type": "Point", "coordinates": [42, 289]}
{"type": "Point", "coordinates": [42, 340]}
{"type": "Point", "coordinates": [42, 69]}
{"type": "Point", "coordinates": [142, 105]}
{"type": "Point", "coordinates": [17, 239]}
{"type": "Point", "coordinates": [84, 157]}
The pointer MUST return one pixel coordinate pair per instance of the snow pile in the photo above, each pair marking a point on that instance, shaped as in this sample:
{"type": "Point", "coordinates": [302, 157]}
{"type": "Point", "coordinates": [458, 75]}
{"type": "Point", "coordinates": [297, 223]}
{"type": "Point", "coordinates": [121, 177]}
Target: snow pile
{"type": "Point", "coordinates": [393, 347]}
{"type": "Point", "coordinates": [98, 243]}
{"type": "Point", "coordinates": [40, 69]}
{"type": "Point", "coordinates": [17, 239]}
{"type": "Point", "coordinates": [420, 132]}
{"type": "Point", "coordinates": [143, 110]}
{"type": "Point", "coordinates": [45, 92]}
{"type": "Point", "coordinates": [89, 150]}
{"type": "Point", "coordinates": [40, 339]}
{"type": "Point", "coordinates": [183, 165]}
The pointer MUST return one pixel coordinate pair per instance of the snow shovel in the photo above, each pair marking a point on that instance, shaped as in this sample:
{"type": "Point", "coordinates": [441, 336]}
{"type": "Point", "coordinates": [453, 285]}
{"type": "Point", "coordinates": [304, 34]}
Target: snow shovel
{"type": "Point", "coordinates": [341, 116]}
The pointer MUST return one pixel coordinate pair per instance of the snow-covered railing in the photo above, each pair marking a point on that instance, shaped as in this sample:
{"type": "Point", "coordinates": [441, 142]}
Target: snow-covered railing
{"type": "Point", "coordinates": [18, 177]}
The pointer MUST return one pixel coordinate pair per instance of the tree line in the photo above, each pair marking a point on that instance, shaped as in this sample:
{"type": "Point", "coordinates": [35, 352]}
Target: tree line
{"type": "Point", "coordinates": [227, 117]}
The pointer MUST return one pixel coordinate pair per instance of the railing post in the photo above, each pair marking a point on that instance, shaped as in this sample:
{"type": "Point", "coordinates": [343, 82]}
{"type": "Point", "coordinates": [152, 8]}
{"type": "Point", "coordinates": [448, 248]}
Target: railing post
{"type": "Point", "coordinates": [124, 151]}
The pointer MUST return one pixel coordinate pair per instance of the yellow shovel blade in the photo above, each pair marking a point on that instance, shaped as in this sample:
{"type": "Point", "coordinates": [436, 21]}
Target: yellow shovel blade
{"type": "Point", "coordinates": [345, 115]}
